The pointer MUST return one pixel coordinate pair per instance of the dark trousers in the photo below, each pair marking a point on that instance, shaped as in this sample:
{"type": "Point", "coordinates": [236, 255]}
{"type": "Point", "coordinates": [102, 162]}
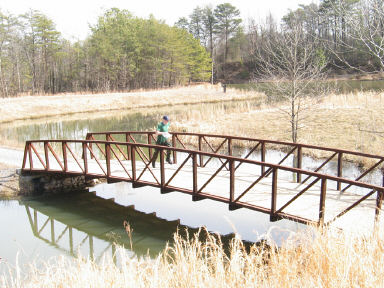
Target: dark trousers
{"type": "Point", "coordinates": [166, 144]}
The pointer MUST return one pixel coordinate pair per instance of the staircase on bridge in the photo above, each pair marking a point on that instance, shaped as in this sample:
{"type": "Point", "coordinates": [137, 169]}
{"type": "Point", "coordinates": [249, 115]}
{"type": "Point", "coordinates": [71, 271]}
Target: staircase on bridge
{"type": "Point", "coordinates": [210, 167]}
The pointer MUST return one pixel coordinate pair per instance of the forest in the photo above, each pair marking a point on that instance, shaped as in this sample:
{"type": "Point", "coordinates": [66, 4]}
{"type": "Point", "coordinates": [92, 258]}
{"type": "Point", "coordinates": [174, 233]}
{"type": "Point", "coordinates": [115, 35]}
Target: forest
{"type": "Point", "coordinates": [124, 52]}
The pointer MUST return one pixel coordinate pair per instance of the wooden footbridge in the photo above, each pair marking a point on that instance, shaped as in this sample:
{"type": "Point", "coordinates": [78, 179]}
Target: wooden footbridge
{"type": "Point", "coordinates": [210, 167]}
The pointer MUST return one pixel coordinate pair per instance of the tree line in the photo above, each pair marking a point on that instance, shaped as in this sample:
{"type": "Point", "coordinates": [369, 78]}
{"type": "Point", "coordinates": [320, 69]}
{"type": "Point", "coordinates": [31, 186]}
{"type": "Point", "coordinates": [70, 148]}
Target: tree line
{"type": "Point", "coordinates": [348, 34]}
{"type": "Point", "coordinates": [124, 52]}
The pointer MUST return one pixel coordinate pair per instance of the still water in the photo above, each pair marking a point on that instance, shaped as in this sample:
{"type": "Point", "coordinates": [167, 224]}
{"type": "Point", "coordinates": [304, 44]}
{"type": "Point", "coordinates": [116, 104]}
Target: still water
{"type": "Point", "coordinates": [91, 223]}
{"type": "Point", "coordinates": [38, 228]}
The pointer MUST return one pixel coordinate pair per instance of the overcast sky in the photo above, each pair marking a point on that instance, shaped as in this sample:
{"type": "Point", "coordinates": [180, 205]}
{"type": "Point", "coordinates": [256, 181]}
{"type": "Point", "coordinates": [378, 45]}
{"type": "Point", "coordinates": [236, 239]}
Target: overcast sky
{"type": "Point", "coordinates": [73, 17]}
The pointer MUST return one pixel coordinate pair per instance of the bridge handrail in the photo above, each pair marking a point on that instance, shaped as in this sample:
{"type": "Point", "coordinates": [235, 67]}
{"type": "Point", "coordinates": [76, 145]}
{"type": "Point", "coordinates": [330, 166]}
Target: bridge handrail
{"type": "Point", "coordinates": [329, 149]}
{"type": "Point", "coordinates": [296, 149]}
{"type": "Point", "coordinates": [135, 151]}
{"type": "Point", "coordinates": [221, 156]}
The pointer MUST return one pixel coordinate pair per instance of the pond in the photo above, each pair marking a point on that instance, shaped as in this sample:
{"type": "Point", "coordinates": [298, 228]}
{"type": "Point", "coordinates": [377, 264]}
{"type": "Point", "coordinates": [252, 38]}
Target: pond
{"type": "Point", "coordinates": [92, 223]}
{"type": "Point", "coordinates": [38, 228]}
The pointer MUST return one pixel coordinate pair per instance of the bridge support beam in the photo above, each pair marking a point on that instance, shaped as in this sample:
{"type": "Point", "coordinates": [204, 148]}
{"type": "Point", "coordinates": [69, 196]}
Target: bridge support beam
{"type": "Point", "coordinates": [31, 184]}
{"type": "Point", "coordinates": [197, 198]}
{"type": "Point", "coordinates": [138, 185]}
{"type": "Point", "coordinates": [274, 218]}
{"type": "Point", "coordinates": [166, 190]}
{"type": "Point", "coordinates": [233, 206]}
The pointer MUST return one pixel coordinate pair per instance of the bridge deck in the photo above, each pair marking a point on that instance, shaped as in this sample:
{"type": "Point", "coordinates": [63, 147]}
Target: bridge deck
{"type": "Point", "coordinates": [306, 206]}
{"type": "Point", "coordinates": [282, 190]}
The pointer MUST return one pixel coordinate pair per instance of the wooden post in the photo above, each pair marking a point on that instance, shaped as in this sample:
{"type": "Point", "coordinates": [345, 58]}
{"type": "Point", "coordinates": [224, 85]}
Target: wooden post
{"type": "Point", "coordinates": [194, 172]}
{"type": "Point", "coordinates": [379, 202]}
{"type": "Point", "coordinates": [133, 162]}
{"type": "Point", "coordinates": [89, 137]}
{"type": "Point", "coordinates": [85, 158]}
{"type": "Point", "coordinates": [299, 162]}
{"type": "Point", "coordinates": [323, 193]}
{"type": "Point", "coordinates": [174, 146]}
{"type": "Point", "coordinates": [30, 156]}
{"type": "Point", "coordinates": [65, 156]}
{"type": "Point", "coordinates": [150, 150]}
{"type": "Point", "coordinates": [201, 159]}
{"type": "Point", "coordinates": [195, 196]}
{"type": "Point", "coordinates": [262, 157]}
{"type": "Point", "coordinates": [107, 138]}
{"type": "Point", "coordinates": [128, 139]}
{"type": "Point", "coordinates": [230, 146]}
{"type": "Point", "coordinates": [231, 181]}
{"type": "Point", "coordinates": [274, 196]}
{"type": "Point", "coordinates": [108, 158]}
{"type": "Point", "coordinates": [25, 156]}
{"type": "Point", "coordinates": [46, 155]}
{"type": "Point", "coordinates": [162, 171]}
{"type": "Point", "coordinates": [339, 169]}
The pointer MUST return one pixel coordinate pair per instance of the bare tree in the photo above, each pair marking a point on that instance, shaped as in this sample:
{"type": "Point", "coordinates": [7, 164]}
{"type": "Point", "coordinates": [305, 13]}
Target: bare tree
{"type": "Point", "coordinates": [364, 36]}
{"type": "Point", "coordinates": [292, 65]}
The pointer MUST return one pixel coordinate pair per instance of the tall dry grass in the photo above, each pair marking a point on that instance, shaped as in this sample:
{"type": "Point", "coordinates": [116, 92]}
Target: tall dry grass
{"type": "Point", "coordinates": [352, 121]}
{"type": "Point", "coordinates": [307, 259]}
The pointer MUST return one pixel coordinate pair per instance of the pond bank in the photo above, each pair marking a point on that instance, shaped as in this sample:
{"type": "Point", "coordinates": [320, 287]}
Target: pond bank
{"type": "Point", "coordinates": [9, 182]}
{"type": "Point", "coordinates": [33, 107]}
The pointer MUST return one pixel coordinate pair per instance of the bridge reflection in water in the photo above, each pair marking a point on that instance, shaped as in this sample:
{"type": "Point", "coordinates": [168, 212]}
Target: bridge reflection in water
{"type": "Point", "coordinates": [94, 226]}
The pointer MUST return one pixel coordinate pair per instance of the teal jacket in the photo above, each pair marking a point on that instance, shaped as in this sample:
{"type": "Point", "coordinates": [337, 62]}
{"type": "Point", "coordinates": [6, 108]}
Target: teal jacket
{"type": "Point", "coordinates": [162, 128]}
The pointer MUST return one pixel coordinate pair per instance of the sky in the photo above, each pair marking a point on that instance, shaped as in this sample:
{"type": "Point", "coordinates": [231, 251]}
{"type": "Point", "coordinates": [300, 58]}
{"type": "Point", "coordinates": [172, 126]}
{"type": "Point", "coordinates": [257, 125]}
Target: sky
{"type": "Point", "coordinates": [73, 17]}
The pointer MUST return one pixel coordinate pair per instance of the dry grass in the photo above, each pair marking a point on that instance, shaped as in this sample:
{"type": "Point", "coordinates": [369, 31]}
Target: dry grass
{"type": "Point", "coordinates": [307, 259]}
{"type": "Point", "coordinates": [9, 182]}
{"type": "Point", "coordinates": [338, 121]}
{"type": "Point", "coordinates": [30, 107]}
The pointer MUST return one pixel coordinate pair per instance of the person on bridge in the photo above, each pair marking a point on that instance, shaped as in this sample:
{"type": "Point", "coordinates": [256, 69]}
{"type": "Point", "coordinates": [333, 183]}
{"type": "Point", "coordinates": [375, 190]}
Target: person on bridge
{"type": "Point", "coordinates": [162, 139]}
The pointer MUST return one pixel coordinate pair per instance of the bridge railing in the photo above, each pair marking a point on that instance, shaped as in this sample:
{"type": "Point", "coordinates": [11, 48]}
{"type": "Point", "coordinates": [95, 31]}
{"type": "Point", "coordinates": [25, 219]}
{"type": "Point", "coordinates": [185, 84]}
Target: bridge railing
{"type": "Point", "coordinates": [62, 157]}
{"type": "Point", "coordinates": [293, 155]}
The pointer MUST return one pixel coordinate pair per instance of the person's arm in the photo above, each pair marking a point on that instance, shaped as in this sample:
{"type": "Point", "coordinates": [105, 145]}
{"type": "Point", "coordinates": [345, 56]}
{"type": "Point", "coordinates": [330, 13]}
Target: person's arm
{"type": "Point", "coordinates": [158, 132]}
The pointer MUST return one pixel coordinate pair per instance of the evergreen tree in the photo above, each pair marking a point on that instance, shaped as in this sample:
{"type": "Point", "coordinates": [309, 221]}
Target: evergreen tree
{"type": "Point", "coordinates": [227, 22]}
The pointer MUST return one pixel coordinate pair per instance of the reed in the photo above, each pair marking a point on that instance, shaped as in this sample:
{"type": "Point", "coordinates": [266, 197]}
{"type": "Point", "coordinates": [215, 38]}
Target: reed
{"type": "Point", "coordinates": [311, 258]}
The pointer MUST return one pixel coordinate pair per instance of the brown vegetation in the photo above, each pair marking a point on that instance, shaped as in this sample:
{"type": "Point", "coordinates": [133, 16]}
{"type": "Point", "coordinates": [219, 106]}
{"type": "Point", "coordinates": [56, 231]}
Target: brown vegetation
{"type": "Point", "coordinates": [30, 107]}
{"type": "Point", "coordinates": [313, 258]}
{"type": "Point", "coordinates": [351, 122]}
